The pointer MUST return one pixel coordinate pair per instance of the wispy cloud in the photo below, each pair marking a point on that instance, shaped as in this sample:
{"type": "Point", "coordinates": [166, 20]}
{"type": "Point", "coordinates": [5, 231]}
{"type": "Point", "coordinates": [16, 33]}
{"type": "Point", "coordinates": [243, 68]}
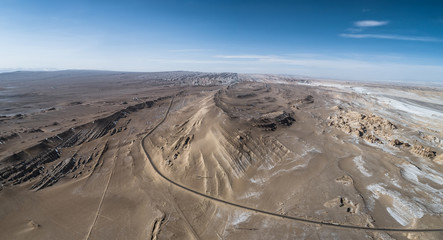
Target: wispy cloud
{"type": "Point", "coordinates": [392, 37]}
{"type": "Point", "coordinates": [305, 61]}
{"type": "Point", "coordinates": [190, 50]}
{"type": "Point", "coordinates": [370, 23]}
{"type": "Point", "coordinates": [355, 30]}
{"type": "Point", "coordinates": [244, 56]}
{"type": "Point", "coordinates": [376, 68]}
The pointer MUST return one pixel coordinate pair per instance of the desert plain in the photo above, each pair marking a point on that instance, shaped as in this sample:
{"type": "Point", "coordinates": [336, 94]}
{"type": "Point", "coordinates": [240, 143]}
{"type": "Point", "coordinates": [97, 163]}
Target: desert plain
{"type": "Point", "coordinates": [190, 155]}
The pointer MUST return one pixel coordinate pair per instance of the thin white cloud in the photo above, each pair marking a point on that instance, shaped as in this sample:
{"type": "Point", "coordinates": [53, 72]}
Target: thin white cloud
{"type": "Point", "coordinates": [370, 23]}
{"type": "Point", "coordinates": [378, 69]}
{"type": "Point", "coordinates": [355, 30]}
{"type": "Point", "coordinates": [243, 56]}
{"type": "Point", "coordinates": [190, 50]}
{"type": "Point", "coordinates": [392, 37]}
{"type": "Point", "coordinates": [303, 61]}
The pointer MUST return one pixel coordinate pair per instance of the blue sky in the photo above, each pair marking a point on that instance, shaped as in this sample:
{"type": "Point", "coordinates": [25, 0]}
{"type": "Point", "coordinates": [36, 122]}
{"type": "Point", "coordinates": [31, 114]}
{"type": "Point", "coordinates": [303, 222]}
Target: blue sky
{"type": "Point", "coordinates": [351, 40]}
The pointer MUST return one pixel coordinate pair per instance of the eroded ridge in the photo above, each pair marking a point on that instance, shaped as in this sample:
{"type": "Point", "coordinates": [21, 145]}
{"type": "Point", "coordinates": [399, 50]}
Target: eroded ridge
{"type": "Point", "coordinates": [58, 156]}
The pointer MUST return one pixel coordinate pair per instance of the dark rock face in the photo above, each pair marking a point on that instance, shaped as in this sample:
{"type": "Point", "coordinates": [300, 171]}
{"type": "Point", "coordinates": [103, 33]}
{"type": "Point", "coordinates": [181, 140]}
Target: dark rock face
{"type": "Point", "coordinates": [4, 139]}
{"type": "Point", "coordinates": [285, 119]}
{"type": "Point", "coordinates": [30, 163]}
{"type": "Point", "coordinates": [248, 95]}
{"type": "Point", "coordinates": [270, 121]}
{"type": "Point", "coordinates": [268, 126]}
{"type": "Point", "coordinates": [307, 100]}
{"type": "Point", "coordinates": [398, 143]}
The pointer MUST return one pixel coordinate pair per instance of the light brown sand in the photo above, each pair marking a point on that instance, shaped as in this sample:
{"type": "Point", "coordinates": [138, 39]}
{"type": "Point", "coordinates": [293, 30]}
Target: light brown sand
{"type": "Point", "coordinates": [234, 142]}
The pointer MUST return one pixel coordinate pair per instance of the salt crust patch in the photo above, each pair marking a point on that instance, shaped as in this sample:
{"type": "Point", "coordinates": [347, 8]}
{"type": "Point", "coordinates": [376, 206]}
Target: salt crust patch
{"type": "Point", "coordinates": [394, 181]}
{"type": "Point", "coordinates": [427, 195]}
{"type": "Point", "coordinates": [405, 212]}
{"type": "Point", "coordinates": [360, 165]}
{"type": "Point", "coordinates": [302, 157]}
{"type": "Point", "coordinates": [250, 195]}
{"type": "Point", "coordinates": [238, 217]}
{"type": "Point", "coordinates": [412, 109]}
{"type": "Point", "coordinates": [412, 173]}
{"type": "Point", "coordinates": [301, 161]}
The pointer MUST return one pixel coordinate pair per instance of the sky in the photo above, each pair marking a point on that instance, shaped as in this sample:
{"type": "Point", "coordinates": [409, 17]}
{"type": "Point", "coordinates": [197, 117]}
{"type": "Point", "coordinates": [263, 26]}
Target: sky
{"type": "Point", "coordinates": [373, 40]}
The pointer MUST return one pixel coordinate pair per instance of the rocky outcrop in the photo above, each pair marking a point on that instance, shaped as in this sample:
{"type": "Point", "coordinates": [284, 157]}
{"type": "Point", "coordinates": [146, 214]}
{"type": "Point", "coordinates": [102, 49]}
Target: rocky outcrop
{"type": "Point", "coordinates": [307, 100]}
{"type": "Point", "coordinates": [55, 173]}
{"type": "Point", "coordinates": [369, 127]}
{"type": "Point", "coordinates": [32, 162]}
{"type": "Point", "coordinates": [285, 119]}
{"type": "Point", "coordinates": [372, 139]}
{"type": "Point", "coordinates": [345, 180]}
{"type": "Point", "coordinates": [433, 140]}
{"type": "Point", "coordinates": [344, 203]}
{"type": "Point", "coordinates": [398, 143]}
{"type": "Point", "coordinates": [299, 103]}
{"type": "Point", "coordinates": [375, 129]}
{"type": "Point", "coordinates": [423, 151]}
{"type": "Point", "coordinates": [270, 121]}
{"type": "Point", "coordinates": [4, 139]}
{"type": "Point", "coordinates": [202, 79]}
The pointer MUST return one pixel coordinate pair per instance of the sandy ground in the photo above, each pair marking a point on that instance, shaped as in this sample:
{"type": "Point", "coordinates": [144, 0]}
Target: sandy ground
{"type": "Point", "coordinates": [183, 155]}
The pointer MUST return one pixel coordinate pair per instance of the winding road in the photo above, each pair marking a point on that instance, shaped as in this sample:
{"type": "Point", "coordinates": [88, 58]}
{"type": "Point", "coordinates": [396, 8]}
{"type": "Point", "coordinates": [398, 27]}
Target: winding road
{"type": "Point", "coordinates": [266, 213]}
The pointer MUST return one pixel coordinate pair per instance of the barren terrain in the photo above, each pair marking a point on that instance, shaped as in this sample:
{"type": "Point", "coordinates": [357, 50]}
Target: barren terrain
{"type": "Point", "coordinates": [187, 155]}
